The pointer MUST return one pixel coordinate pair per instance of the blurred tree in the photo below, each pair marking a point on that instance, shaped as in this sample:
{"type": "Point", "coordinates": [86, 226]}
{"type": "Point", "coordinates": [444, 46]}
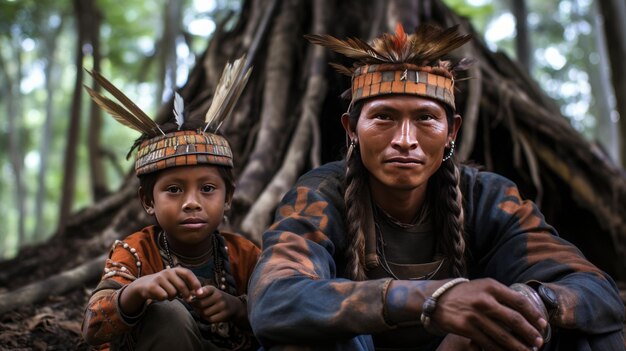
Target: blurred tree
{"type": "Point", "coordinates": [51, 72]}
{"type": "Point", "coordinates": [614, 13]}
{"type": "Point", "coordinates": [522, 40]}
{"type": "Point", "coordinates": [12, 72]}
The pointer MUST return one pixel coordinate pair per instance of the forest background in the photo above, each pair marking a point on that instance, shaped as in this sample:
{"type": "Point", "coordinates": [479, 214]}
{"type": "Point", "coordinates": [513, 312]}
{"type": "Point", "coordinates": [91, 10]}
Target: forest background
{"type": "Point", "coordinates": [547, 116]}
{"type": "Point", "coordinates": [147, 49]}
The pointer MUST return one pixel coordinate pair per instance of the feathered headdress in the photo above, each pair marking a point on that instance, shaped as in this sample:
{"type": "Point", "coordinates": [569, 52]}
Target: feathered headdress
{"type": "Point", "coordinates": [160, 150]}
{"type": "Point", "coordinates": [400, 63]}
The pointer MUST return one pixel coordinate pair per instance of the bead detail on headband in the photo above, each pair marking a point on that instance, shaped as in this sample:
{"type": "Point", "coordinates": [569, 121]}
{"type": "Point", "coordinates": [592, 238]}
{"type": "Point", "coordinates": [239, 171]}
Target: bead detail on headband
{"type": "Point", "coordinates": [450, 153]}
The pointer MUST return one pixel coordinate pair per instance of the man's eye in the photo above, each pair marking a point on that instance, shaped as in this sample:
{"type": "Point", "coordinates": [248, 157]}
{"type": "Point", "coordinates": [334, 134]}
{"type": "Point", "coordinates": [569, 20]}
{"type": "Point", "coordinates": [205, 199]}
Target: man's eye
{"type": "Point", "coordinates": [426, 117]}
{"type": "Point", "coordinates": [383, 117]}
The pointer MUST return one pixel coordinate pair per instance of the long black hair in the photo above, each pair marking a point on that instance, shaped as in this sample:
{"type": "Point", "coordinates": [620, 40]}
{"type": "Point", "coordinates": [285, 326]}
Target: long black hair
{"type": "Point", "coordinates": [443, 195]}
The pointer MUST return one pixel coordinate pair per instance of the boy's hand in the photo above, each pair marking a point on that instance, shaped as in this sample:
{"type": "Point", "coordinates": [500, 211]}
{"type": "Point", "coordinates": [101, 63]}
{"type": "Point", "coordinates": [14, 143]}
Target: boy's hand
{"type": "Point", "coordinates": [164, 285]}
{"type": "Point", "coordinates": [215, 306]}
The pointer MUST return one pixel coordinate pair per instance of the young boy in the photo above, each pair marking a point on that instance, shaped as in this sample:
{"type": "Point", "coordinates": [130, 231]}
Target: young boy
{"type": "Point", "coordinates": [180, 284]}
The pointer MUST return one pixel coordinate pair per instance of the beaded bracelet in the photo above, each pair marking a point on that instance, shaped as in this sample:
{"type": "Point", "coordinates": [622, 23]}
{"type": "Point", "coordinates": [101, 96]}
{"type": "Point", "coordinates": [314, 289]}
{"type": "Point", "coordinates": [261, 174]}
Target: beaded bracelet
{"type": "Point", "coordinates": [428, 308]}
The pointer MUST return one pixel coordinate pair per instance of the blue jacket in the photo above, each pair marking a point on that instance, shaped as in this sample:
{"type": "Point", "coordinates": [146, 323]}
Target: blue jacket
{"type": "Point", "coordinates": [298, 294]}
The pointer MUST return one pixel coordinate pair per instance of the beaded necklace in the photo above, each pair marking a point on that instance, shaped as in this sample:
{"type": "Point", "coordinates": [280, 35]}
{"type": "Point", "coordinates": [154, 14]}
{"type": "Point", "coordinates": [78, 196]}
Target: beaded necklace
{"type": "Point", "coordinates": [218, 271]}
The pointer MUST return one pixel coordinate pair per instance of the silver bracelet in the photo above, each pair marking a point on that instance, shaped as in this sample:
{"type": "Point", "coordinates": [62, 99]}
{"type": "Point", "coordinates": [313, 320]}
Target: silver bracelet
{"type": "Point", "coordinates": [428, 308]}
{"type": "Point", "coordinates": [534, 298]}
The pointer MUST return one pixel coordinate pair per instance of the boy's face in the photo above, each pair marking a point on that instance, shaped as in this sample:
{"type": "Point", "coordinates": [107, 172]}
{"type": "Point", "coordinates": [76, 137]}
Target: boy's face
{"type": "Point", "coordinates": [189, 204]}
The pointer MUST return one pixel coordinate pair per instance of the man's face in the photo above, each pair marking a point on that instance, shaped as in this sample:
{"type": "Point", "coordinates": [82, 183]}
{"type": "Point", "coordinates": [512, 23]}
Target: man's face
{"type": "Point", "coordinates": [402, 139]}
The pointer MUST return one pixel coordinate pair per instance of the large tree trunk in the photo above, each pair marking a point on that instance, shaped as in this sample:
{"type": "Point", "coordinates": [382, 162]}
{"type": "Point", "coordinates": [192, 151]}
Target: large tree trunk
{"type": "Point", "coordinates": [291, 105]}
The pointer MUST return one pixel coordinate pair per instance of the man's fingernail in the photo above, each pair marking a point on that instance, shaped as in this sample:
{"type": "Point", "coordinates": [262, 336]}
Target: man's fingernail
{"type": "Point", "coordinates": [199, 291]}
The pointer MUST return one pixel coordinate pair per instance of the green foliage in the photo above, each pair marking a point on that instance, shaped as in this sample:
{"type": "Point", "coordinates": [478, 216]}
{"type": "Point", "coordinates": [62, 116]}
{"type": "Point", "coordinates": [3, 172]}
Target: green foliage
{"type": "Point", "coordinates": [478, 14]}
{"type": "Point", "coordinates": [129, 38]}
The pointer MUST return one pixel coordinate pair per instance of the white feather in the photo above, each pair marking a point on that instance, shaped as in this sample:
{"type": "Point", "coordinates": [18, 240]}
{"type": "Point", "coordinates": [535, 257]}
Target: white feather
{"type": "Point", "coordinates": [179, 109]}
{"type": "Point", "coordinates": [228, 90]}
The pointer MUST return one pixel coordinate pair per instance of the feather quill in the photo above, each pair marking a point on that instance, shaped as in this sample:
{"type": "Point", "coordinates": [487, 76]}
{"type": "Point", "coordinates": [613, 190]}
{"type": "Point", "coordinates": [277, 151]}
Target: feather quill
{"type": "Point", "coordinates": [179, 110]}
{"type": "Point", "coordinates": [134, 114]}
{"type": "Point", "coordinates": [424, 47]}
{"type": "Point", "coordinates": [118, 112]}
{"type": "Point", "coordinates": [227, 92]}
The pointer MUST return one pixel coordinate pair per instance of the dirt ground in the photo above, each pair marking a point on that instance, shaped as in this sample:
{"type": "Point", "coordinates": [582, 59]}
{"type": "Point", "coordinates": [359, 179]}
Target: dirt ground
{"type": "Point", "coordinates": [51, 325]}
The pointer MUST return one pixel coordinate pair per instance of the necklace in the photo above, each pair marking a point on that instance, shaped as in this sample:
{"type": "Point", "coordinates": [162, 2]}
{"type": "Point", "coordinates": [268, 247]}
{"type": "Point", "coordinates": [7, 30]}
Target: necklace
{"type": "Point", "coordinates": [218, 269]}
{"type": "Point", "coordinates": [380, 250]}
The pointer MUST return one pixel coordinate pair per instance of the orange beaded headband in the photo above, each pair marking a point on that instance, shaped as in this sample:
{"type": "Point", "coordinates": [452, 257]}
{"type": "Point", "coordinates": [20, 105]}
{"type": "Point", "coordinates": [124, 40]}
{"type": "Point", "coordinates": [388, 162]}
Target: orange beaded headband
{"type": "Point", "coordinates": [383, 79]}
{"type": "Point", "coordinates": [162, 150]}
{"type": "Point", "coordinates": [183, 148]}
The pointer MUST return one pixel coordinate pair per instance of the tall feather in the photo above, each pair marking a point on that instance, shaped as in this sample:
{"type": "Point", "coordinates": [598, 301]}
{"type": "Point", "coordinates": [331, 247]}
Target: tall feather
{"type": "Point", "coordinates": [179, 110]}
{"type": "Point", "coordinates": [229, 88]}
{"type": "Point", "coordinates": [134, 112]}
{"type": "Point", "coordinates": [118, 112]}
{"type": "Point", "coordinates": [424, 47]}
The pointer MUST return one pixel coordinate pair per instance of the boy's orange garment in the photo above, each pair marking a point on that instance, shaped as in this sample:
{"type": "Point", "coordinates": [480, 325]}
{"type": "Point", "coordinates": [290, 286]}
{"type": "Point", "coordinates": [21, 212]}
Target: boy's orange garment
{"type": "Point", "coordinates": [103, 321]}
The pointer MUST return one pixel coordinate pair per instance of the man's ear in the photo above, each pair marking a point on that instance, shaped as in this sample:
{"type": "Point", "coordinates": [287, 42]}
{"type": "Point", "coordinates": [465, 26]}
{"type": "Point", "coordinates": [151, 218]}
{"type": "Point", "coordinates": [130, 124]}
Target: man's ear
{"type": "Point", "coordinates": [147, 204]}
{"type": "Point", "coordinates": [345, 122]}
{"type": "Point", "coordinates": [456, 126]}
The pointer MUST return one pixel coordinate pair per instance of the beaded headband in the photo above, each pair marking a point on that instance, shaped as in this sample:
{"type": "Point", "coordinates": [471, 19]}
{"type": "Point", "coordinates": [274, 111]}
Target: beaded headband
{"type": "Point", "coordinates": [160, 150]}
{"type": "Point", "coordinates": [400, 63]}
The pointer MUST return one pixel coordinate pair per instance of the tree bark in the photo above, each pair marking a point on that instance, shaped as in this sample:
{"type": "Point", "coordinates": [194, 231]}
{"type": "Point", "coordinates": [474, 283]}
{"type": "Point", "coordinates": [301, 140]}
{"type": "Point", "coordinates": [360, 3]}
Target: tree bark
{"type": "Point", "coordinates": [600, 79]}
{"type": "Point", "coordinates": [99, 185]}
{"type": "Point", "coordinates": [67, 196]}
{"type": "Point", "coordinates": [614, 13]}
{"type": "Point", "coordinates": [522, 39]}
{"type": "Point", "coordinates": [274, 124]}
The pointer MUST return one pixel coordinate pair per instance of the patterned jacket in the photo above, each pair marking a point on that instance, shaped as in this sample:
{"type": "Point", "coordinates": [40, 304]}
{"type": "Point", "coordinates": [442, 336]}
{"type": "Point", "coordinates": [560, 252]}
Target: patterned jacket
{"type": "Point", "coordinates": [102, 321]}
{"type": "Point", "coordinates": [298, 294]}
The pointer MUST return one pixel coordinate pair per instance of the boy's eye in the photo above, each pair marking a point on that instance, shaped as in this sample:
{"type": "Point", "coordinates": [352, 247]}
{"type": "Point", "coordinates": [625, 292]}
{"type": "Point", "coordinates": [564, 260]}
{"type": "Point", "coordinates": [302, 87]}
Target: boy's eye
{"type": "Point", "coordinates": [173, 189]}
{"type": "Point", "coordinates": [208, 188]}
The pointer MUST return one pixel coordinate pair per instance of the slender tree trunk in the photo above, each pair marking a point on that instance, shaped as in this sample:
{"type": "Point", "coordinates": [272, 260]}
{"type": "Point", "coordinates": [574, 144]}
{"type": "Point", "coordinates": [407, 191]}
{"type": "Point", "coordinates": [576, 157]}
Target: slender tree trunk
{"type": "Point", "coordinates": [51, 77]}
{"type": "Point", "coordinates": [99, 187]}
{"type": "Point", "coordinates": [522, 39]}
{"type": "Point", "coordinates": [167, 50]}
{"type": "Point", "coordinates": [67, 196]}
{"type": "Point", "coordinates": [614, 13]}
{"type": "Point", "coordinates": [600, 79]}
{"type": "Point", "coordinates": [14, 115]}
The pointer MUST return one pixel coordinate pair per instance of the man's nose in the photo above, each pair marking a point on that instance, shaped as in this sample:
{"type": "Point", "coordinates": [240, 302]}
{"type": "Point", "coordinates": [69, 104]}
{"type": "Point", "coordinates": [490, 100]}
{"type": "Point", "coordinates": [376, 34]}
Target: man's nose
{"type": "Point", "coordinates": [405, 137]}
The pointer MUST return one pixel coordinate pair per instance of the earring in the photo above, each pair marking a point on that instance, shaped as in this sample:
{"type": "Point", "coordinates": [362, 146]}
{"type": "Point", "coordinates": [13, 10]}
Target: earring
{"type": "Point", "coordinates": [351, 146]}
{"type": "Point", "coordinates": [449, 155]}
